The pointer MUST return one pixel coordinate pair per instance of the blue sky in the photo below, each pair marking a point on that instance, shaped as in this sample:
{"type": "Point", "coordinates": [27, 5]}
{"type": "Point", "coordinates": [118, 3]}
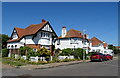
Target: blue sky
{"type": "Point", "coordinates": [99, 19]}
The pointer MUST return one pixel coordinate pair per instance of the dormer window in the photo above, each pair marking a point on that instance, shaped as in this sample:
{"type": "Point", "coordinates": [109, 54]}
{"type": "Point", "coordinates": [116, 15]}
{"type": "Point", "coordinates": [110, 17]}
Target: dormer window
{"type": "Point", "coordinates": [8, 46]}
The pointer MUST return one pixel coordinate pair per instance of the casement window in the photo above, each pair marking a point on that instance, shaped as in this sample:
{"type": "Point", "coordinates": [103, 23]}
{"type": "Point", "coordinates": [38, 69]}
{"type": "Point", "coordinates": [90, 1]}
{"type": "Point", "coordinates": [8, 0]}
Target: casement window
{"type": "Point", "coordinates": [11, 46]}
{"type": "Point", "coordinates": [45, 34]}
{"type": "Point", "coordinates": [93, 50]}
{"type": "Point", "coordinates": [41, 34]}
{"type": "Point", "coordinates": [8, 46]}
{"type": "Point", "coordinates": [105, 51]}
{"type": "Point", "coordinates": [15, 46]}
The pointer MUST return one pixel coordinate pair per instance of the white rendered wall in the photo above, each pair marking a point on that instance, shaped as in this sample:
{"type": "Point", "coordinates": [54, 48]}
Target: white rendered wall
{"type": "Point", "coordinates": [38, 39]}
{"type": "Point", "coordinates": [65, 43]}
{"type": "Point", "coordinates": [14, 43]}
{"type": "Point", "coordinates": [96, 48]}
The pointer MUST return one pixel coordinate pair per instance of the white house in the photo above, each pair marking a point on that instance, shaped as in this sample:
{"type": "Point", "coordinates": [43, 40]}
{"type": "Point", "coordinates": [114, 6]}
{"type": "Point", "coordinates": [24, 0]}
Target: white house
{"type": "Point", "coordinates": [97, 45]}
{"type": "Point", "coordinates": [72, 39]}
{"type": "Point", "coordinates": [34, 36]}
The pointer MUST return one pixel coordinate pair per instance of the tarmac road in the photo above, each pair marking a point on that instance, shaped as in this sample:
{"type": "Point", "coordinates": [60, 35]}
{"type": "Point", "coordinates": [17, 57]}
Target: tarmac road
{"type": "Point", "coordinates": [106, 68]}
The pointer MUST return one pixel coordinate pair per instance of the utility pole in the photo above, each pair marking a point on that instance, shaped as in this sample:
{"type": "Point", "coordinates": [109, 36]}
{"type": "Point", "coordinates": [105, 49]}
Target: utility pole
{"type": "Point", "coordinates": [84, 46]}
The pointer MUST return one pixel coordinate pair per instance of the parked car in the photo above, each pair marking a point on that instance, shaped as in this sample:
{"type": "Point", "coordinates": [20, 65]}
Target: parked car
{"type": "Point", "coordinates": [109, 57]}
{"type": "Point", "coordinates": [98, 57]}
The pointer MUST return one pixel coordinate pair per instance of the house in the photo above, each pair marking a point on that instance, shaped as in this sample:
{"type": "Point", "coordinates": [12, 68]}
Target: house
{"type": "Point", "coordinates": [117, 47]}
{"type": "Point", "coordinates": [72, 39]}
{"type": "Point", "coordinates": [99, 46]}
{"type": "Point", "coordinates": [34, 36]}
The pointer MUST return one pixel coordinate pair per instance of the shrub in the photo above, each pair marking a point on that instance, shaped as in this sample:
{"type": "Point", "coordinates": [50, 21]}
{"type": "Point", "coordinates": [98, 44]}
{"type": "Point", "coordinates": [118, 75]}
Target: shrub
{"type": "Point", "coordinates": [24, 50]}
{"type": "Point", "coordinates": [30, 53]}
{"type": "Point", "coordinates": [55, 59]}
{"type": "Point", "coordinates": [43, 52]}
{"type": "Point", "coordinates": [5, 52]}
{"type": "Point", "coordinates": [90, 53]}
{"type": "Point", "coordinates": [66, 52]}
{"type": "Point", "coordinates": [12, 55]}
{"type": "Point", "coordinates": [78, 53]}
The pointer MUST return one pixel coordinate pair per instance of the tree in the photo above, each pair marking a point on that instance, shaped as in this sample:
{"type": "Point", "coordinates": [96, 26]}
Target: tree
{"type": "Point", "coordinates": [111, 47]}
{"type": "Point", "coordinates": [78, 53]}
{"type": "Point", "coordinates": [115, 50]}
{"type": "Point", "coordinates": [4, 40]}
{"type": "Point", "coordinates": [5, 52]}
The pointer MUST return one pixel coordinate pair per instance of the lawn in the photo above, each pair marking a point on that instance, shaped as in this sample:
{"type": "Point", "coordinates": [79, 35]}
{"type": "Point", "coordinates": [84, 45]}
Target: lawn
{"type": "Point", "coordinates": [11, 62]}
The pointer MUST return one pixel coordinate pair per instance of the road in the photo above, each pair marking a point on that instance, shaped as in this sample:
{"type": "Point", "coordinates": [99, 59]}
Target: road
{"type": "Point", "coordinates": [107, 68]}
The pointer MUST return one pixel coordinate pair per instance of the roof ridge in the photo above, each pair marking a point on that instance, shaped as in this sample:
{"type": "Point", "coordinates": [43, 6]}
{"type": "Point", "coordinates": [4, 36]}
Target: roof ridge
{"type": "Point", "coordinates": [18, 27]}
{"type": "Point", "coordinates": [75, 30]}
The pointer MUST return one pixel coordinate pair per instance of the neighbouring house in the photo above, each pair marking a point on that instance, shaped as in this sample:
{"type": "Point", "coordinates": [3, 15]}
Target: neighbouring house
{"type": "Point", "coordinates": [99, 46]}
{"type": "Point", "coordinates": [34, 36]}
{"type": "Point", "coordinates": [72, 39]}
{"type": "Point", "coordinates": [118, 47]}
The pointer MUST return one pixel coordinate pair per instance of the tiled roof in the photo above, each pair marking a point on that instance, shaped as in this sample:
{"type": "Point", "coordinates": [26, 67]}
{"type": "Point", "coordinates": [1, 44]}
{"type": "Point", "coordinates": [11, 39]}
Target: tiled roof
{"type": "Point", "coordinates": [117, 46]}
{"type": "Point", "coordinates": [105, 44]}
{"type": "Point", "coordinates": [14, 40]}
{"type": "Point", "coordinates": [73, 33]}
{"type": "Point", "coordinates": [32, 29]}
{"type": "Point", "coordinates": [95, 41]}
{"type": "Point", "coordinates": [20, 31]}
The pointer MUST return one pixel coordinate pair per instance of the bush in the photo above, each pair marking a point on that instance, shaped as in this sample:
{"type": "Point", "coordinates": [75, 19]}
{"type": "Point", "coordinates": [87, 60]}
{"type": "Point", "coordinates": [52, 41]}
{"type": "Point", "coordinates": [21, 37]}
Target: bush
{"type": "Point", "coordinates": [43, 52]}
{"type": "Point", "coordinates": [68, 60]}
{"type": "Point", "coordinates": [12, 55]}
{"type": "Point", "coordinates": [5, 52]}
{"type": "Point", "coordinates": [66, 52]}
{"type": "Point", "coordinates": [55, 59]}
{"type": "Point", "coordinates": [24, 50]}
{"type": "Point", "coordinates": [78, 53]}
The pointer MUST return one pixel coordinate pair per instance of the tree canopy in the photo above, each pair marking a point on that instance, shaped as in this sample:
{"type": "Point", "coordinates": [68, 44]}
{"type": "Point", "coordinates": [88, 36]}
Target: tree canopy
{"type": "Point", "coordinates": [4, 40]}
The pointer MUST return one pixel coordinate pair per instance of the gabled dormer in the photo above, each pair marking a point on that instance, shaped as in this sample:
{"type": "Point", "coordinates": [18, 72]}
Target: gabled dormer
{"type": "Point", "coordinates": [14, 34]}
{"type": "Point", "coordinates": [47, 28]}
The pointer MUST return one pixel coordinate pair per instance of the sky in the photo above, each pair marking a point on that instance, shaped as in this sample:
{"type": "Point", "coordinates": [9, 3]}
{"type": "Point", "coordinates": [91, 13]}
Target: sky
{"type": "Point", "coordinates": [97, 19]}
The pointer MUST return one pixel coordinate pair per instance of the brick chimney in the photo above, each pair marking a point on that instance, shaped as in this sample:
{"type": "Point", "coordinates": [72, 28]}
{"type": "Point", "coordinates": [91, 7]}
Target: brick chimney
{"type": "Point", "coordinates": [64, 31]}
{"type": "Point", "coordinates": [43, 20]}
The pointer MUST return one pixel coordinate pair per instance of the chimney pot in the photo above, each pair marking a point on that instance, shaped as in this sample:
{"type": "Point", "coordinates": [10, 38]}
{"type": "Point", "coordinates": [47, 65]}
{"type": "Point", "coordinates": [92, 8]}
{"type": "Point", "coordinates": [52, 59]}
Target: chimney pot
{"type": "Point", "coordinates": [63, 27]}
{"type": "Point", "coordinates": [43, 20]}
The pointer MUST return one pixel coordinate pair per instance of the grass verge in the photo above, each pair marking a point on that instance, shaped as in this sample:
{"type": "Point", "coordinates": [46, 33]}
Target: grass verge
{"type": "Point", "coordinates": [12, 63]}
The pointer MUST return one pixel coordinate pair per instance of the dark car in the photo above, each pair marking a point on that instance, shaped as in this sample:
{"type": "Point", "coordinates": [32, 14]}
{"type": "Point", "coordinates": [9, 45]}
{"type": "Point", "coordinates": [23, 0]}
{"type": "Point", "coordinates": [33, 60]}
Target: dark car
{"type": "Point", "coordinates": [98, 57]}
{"type": "Point", "coordinates": [109, 57]}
